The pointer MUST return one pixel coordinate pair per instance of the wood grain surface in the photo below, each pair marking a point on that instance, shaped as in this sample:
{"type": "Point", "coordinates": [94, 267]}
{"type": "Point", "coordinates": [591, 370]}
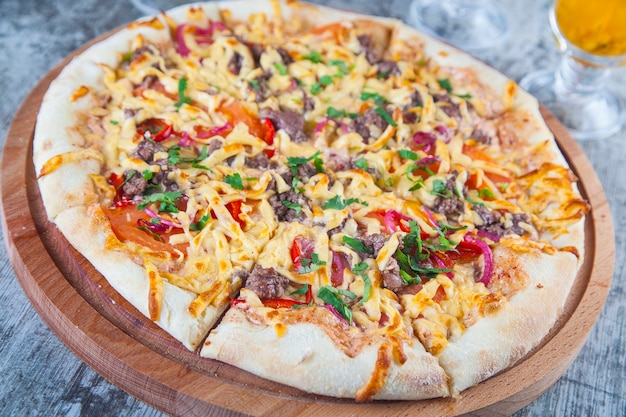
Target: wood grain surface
{"type": "Point", "coordinates": [108, 334]}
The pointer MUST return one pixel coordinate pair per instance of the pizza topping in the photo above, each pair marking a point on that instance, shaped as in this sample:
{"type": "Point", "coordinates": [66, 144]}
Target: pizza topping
{"type": "Point", "coordinates": [266, 282]}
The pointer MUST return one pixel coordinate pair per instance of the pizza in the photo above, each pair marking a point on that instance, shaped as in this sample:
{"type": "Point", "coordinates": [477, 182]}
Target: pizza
{"type": "Point", "coordinates": [331, 201]}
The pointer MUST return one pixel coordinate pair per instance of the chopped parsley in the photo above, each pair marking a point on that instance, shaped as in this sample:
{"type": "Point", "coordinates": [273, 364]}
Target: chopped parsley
{"type": "Point", "coordinates": [316, 89]}
{"type": "Point", "coordinates": [445, 84]}
{"type": "Point", "coordinates": [359, 269]}
{"type": "Point", "coordinates": [440, 189]}
{"type": "Point", "coordinates": [336, 203]}
{"type": "Point", "coordinates": [182, 99]}
{"type": "Point", "coordinates": [356, 244]}
{"type": "Point", "coordinates": [361, 163]}
{"type": "Point", "coordinates": [199, 225]}
{"type": "Point", "coordinates": [282, 70]}
{"type": "Point", "coordinates": [234, 181]}
{"type": "Point", "coordinates": [315, 57]}
{"type": "Point", "coordinates": [332, 296]}
{"type": "Point", "coordinates": [254, 84]}
{"type": "Point", "coordinates": [174, 157]}
{"type": "Point", "coordinates": [407, 154]}
{"type": "Point", "coordinates": [114, 122]}
{"type": "Point", "coordinates": [295, 161]}
{"type": "Point", "coordinates": [415, 252]}
{"type": "Point", "coordinates": [383, 113]}
{"type": "Point", "coordinates": [310, 265]}
{"type": "Point", "coordinates": [166, 200]}
{"type": "Point", "coordinates": [378, 99]}
{"type": "Point", "coordinates": [341, 65]}
{"type": "Point", "coordinates": [293, 206]}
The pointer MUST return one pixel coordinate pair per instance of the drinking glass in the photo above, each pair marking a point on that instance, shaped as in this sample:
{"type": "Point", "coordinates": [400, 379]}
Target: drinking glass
{"type": "Point", "coordinates": [591, 36]}
{"type": "Point", "coordinates": [467, 24]}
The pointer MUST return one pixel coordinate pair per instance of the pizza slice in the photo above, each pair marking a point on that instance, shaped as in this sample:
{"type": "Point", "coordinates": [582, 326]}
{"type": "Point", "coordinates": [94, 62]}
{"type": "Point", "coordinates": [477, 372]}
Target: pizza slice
{"type": "Point", "coordinates": [314, 313]}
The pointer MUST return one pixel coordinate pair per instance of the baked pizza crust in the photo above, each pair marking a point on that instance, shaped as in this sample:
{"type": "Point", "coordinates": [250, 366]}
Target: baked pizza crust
{"type": "Point", "coordinates": [304, 356]}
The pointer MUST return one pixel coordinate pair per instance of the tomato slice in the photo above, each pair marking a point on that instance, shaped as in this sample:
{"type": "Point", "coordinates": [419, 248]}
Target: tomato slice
{"type": "Point", "coordinates": [235, 112]}
{"type": "Point", "coordinates": [124, 222]}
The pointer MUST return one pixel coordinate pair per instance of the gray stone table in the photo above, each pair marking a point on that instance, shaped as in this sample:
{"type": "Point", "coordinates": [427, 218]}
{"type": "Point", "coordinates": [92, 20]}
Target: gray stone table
{"type": "Point", "coordinates": [39, 376]}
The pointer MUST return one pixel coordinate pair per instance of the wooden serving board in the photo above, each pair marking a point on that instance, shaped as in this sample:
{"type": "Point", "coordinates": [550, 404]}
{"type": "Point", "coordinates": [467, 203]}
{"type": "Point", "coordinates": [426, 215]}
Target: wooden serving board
{"type": "Point", "coordinates": [107, 333]}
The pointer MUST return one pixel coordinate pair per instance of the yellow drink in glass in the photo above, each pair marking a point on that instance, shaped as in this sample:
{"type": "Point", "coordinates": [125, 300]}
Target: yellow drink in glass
{"type": "Point", "coordinates": [597, 27]}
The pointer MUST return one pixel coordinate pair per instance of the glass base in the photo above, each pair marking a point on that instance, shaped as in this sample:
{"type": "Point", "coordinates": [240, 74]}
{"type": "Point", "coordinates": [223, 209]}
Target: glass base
{"type": "Point", "coordinates": [467, 24]}
{"type": "Point", "coordinates": [587, 116]}
{"type": "Point", "coordinates": [150, 7]}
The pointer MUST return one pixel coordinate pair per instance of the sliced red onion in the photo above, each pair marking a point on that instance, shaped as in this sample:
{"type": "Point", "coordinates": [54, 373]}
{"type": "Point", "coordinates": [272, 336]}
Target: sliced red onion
{"type": "Point", "coordinates": [336, 313]}
{"type": "Point", "coordinates": [487, 257]}
{"type": "Point", "coordinates": [443, 131]}
{"type": "Point", "coordinates": [166, 222]}
{"type": "Point", "coordinates": [392, 219]}
{"type": "Point", "coordinates": [181, 47]}
{"type": "Point", "coordinates": [322, 124]}
{"type": "Point", "coordinates": [428, 160]}
{"type": "Point", "coordinates": [490, 236]}
{"type": "Point", "coordinates": [158, 227]}
{"type": "Point", "coordinates": [214, 131]}
{"type": "Point", "coordinates": [441, 265]}
{"type": "Point", "coordinates": [431, 217]}
{"type": "Point", "coordinates": [340, 263]}
{"type": "Point", "coordinates": [344, 128]}
{"type": "Point", "coordinates": [185, 141]}
{"type": "Point", "coordinates": [424, 138]}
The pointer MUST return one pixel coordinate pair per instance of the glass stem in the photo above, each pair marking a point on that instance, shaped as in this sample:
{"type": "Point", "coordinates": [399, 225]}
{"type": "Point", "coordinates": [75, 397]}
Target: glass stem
{"type": "Point", "coordinates": [576, 79]}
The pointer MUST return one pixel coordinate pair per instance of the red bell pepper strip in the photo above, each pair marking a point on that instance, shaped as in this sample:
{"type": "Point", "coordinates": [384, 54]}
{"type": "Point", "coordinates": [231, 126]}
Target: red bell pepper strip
{"type": "Point", "coordinates": [121, 199]}
{"type": "Point", "coordinates": [158, 128]}
{"type": "Point", "coordinates": [270, 134]}
{"type": "Point", "coordinates": [234, 208]}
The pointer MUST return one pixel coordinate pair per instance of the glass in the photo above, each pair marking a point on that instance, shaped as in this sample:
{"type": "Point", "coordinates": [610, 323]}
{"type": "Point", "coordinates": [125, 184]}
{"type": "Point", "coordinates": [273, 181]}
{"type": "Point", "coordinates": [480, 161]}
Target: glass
{"type": "Point", "coordinates": [150, 7]}
{"type": "Point", "coordinates": [467, 24]}
{"type": "Point", "coordinates": [591, 37]}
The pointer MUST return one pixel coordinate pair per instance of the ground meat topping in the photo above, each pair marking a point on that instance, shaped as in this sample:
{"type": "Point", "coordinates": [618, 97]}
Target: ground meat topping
{"type": "Point", "coordinates": [146, 149]}
{"type": "Point", "coordinates": [266, 282]}
{"type": "Point", "coordinates": [451, 204]}
{"type": "Point", "coordinates": [290, 121]}
{"type": "Point", "coordinates": [369, 118]}
{"type": "Point", "coordinates": [391, 275]}
{"type": "Point", "coordinates": [494, 222]}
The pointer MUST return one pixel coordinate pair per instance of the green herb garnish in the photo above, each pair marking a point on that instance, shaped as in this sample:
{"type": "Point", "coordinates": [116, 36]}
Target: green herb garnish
{"type": "Point", "coordinates": [378, 99]}
{"type": "Point", "coordinates": [234, 181]}
{"type": "Point", "coordinates": [336, 203]}
{"type": "Point", "coordinates": [294, 162]}
{"type": "Point", "coordinates": [310, 265]}
{"type": "Point", "coordinates": [293, 206]}
{"type": "Point", "coordinates": [315, 57]}
{"type": "Point", "coordinates": [199, 225]}
{"type": "Point", "coordinates": [332, 297]}
{"type": "Point", "coordinates": [383, 113]}
{"type": "Point", "coordinates": [182, 99]}
{"type": "Point", "coordinates": [282, 70]}
{"type": "Point", "coordinates": [166, 201]}
{"type": "Point", "coordinates": [361, 163]}
{"type": "Point", "coordinates": [356, 244]}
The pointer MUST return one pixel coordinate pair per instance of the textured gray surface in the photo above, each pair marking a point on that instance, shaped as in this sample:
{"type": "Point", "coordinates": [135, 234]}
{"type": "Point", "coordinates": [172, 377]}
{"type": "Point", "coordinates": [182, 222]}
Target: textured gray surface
{"type": "Point", "coordinates": [39, 376]}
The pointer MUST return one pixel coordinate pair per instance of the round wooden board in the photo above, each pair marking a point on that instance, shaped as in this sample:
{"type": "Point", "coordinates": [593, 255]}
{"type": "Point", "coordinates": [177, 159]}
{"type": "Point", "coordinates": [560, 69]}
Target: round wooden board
{"type": "Point", "coordinates": [112, 337]}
